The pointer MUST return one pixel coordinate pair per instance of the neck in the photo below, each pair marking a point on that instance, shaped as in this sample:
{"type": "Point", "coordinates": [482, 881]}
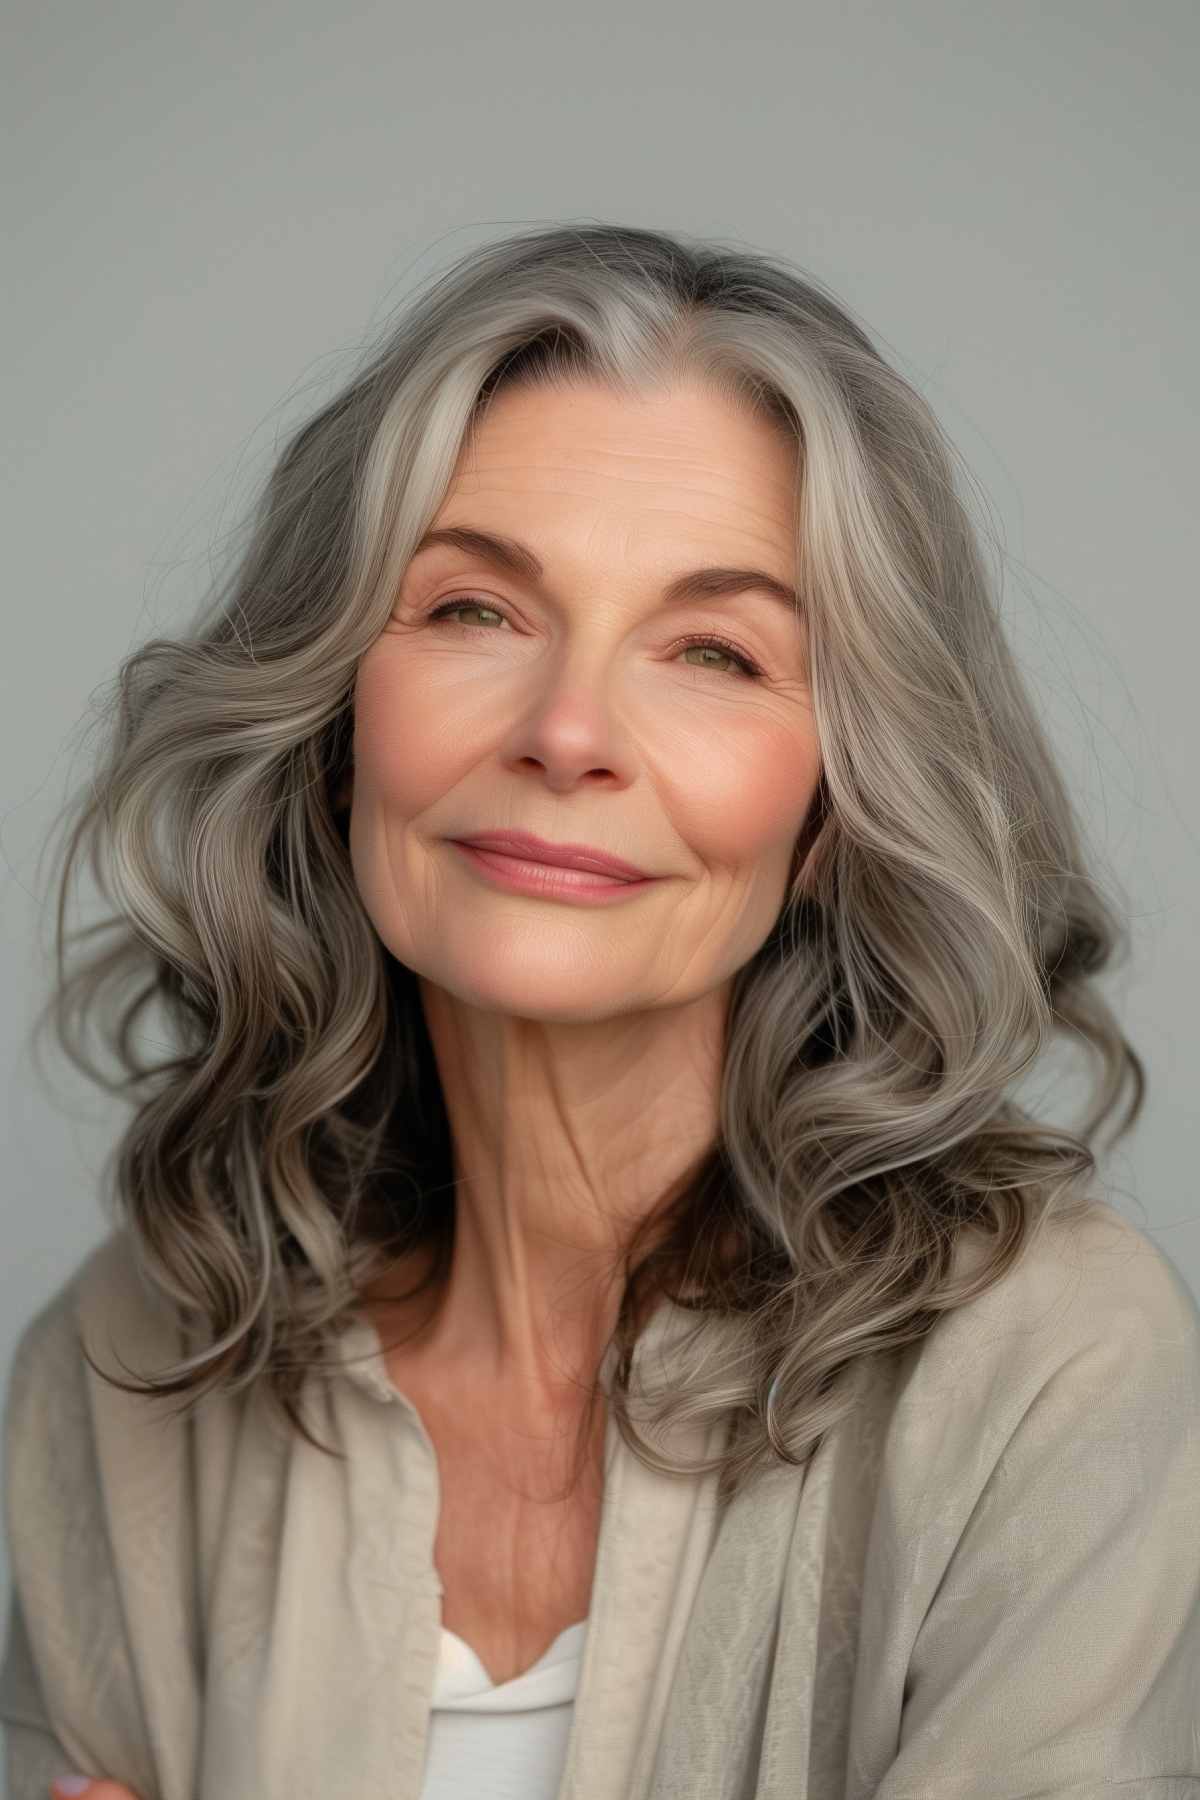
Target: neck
{"type": "Point", "coordinates": [566, 1138]}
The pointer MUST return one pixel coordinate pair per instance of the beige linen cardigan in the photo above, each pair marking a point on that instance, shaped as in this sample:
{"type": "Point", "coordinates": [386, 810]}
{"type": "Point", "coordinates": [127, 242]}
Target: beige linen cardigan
{"type": "Point", "coordinates": [985, 1585]}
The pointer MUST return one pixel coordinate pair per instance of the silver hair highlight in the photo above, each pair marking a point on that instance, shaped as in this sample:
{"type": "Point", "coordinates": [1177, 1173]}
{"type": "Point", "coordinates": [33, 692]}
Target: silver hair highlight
{"type": "Point", "coordinates": [943, 926]}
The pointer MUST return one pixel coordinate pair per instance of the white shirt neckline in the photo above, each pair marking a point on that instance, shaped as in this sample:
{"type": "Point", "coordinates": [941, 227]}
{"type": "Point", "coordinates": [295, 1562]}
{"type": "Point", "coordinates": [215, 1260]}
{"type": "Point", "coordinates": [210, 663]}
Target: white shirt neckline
{"type": "Point", "coordinates": [463, 1684]}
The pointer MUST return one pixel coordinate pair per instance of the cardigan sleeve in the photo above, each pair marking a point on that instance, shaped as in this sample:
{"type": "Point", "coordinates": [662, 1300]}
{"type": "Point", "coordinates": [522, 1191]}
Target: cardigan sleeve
{"type": "Point", "coordinates": [1060, 1654]}
{"type": "Point", "coordinates": [33, 1756]}
{"type": "Point", "coordinates": [68, 1694]}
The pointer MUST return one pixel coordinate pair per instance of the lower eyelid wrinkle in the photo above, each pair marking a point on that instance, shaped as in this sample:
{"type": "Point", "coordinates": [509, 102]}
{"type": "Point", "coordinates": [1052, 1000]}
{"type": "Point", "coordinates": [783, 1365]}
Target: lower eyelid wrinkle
{"type": "Point", "coordinates": [708, 640]}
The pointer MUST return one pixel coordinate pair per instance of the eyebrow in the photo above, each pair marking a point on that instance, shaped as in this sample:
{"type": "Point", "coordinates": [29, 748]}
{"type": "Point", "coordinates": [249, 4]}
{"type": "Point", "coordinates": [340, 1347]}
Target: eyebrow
{"type": "Point", "coordinates": [518, 560]}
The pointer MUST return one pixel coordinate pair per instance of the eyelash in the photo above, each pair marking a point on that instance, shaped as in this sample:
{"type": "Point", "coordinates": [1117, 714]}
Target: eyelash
{"type": "Point", "coordinates": [750, 669]}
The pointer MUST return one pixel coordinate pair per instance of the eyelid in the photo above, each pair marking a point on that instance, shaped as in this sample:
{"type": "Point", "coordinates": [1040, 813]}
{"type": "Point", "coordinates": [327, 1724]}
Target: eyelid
{"type": "Point", "coordinates": [477, 598]}
{"type": "Point", "coordinates": [424, 606]}
{"type": "Point", "coordinates": [758, 669]}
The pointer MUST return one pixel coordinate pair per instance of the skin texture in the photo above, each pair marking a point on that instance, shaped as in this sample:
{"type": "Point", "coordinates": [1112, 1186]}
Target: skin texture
{"type": "Point", "coordinates": [580, 1047]}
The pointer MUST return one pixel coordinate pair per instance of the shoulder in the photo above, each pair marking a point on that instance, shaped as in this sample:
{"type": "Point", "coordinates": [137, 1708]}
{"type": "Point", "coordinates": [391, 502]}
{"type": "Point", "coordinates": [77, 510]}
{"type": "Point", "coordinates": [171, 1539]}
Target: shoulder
{"type": "Point", "coordinates": [1093, 1314]}
{"type": "Point", "coordinates": [105, 1305]}
{"type": "Point", "coordinates": [1099, 1276]}
{"type": "Point", "coordinates": [87, 1464]}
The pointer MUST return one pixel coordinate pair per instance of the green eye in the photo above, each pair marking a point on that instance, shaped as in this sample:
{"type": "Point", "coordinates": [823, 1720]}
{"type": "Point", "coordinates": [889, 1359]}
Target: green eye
{"type": "Point", "coordinates": [749, 670]}
{"type": "Point", "coordinates": [440, 612]}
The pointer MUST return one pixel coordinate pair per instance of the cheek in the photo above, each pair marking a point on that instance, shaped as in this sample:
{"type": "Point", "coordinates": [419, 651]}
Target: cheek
{"type": "Point", "coordinates": [406, 748]}
{"type": "Point", "coordinates": [746, 788]}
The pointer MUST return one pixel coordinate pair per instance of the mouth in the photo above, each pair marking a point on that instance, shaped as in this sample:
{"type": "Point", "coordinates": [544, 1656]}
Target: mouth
{"type": "Point", "coordinates": [548, 881]}
{"type": "Point", "coordinates": [528, 848]}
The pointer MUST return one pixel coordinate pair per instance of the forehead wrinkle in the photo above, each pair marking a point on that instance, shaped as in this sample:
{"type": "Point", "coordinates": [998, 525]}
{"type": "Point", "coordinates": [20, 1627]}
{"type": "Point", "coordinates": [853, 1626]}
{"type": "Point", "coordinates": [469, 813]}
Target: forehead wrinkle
{"type": "Point", "coordinates": [720, 482]}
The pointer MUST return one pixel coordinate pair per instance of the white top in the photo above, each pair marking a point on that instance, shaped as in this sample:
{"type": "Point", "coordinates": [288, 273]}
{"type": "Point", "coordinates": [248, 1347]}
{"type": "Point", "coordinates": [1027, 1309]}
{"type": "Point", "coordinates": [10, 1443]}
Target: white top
{"type": "Point", "coordinates": [508, 1741]}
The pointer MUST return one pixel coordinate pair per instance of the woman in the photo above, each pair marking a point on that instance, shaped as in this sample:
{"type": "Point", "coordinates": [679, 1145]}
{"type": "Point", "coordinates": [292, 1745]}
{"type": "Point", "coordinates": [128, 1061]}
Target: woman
{"type": "Point", "coordinates": [632, 1342]}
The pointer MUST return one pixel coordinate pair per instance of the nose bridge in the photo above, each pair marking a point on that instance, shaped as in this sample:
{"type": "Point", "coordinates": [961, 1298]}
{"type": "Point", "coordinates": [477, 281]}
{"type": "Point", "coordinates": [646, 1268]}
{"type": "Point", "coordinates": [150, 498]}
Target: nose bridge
{"type": "Point", "coordinates": [573, 711]}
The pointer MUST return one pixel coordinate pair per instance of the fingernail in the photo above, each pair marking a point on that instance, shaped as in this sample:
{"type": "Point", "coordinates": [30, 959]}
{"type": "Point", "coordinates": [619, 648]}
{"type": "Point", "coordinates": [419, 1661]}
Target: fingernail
{"type": "Point", "coordinates": [73, 1784]}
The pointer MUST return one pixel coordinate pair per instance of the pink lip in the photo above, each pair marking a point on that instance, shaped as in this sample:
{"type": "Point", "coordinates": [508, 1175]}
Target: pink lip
{"type": "Point", "coordinates": [565, 856]}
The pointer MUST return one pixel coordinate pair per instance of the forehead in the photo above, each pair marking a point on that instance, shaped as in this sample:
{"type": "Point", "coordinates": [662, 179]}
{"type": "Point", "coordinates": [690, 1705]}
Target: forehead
{"type": "Point", "coordinates": [688, 451]}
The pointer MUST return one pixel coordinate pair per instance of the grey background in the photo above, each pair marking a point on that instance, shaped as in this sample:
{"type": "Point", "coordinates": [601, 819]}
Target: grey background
{"type": "Point", "coordinates": [208, 210]}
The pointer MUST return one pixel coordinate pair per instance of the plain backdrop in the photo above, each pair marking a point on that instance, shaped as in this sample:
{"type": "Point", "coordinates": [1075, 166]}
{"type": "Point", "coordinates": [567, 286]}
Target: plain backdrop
{"type": "Point", "coordinates": [209, 210]}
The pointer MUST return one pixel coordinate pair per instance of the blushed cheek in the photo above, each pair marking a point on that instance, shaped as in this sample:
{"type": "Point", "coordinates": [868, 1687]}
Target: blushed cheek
{"type": "Point", "coordinates": [406, 753]}
{"type": "Point", "coordinates": [749, 795]}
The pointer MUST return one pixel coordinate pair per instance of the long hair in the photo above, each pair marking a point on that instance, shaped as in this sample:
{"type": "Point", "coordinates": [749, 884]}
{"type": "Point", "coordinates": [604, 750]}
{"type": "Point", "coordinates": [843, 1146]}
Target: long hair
{"type": "Point", "coordinates": [942, 928]}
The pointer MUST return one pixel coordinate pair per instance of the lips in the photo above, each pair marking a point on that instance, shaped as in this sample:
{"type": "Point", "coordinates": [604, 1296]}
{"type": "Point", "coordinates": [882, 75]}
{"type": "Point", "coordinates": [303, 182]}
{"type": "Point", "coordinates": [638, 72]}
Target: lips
{"type": "Point", "coordinates": [525, 845]}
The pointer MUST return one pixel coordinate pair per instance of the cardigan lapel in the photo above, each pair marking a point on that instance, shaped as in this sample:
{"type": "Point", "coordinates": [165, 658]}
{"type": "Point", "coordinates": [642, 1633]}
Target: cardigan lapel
{"type": "Point", "coordinates": [655, 1535]}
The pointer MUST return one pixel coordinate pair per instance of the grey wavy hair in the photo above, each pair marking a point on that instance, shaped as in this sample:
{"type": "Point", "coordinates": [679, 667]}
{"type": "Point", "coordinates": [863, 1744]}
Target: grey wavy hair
{"type": "Point", "coordinates": [942, 926]}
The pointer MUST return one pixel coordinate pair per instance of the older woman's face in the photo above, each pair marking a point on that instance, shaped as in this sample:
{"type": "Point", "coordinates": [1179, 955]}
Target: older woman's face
{"type": "Point", "coordinates": [566, 704]}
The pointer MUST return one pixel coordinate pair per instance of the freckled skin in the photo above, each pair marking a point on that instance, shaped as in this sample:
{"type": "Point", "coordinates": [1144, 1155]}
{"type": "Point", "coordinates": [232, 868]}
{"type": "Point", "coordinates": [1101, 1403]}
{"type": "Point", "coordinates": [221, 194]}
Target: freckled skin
{"type": "Point", "coordinates": [580, 1047]}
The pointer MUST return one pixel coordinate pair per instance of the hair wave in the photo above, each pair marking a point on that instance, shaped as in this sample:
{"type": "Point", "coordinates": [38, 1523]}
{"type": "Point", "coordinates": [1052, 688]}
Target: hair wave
{"type": "Point", "coordinates": [942, 927]}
